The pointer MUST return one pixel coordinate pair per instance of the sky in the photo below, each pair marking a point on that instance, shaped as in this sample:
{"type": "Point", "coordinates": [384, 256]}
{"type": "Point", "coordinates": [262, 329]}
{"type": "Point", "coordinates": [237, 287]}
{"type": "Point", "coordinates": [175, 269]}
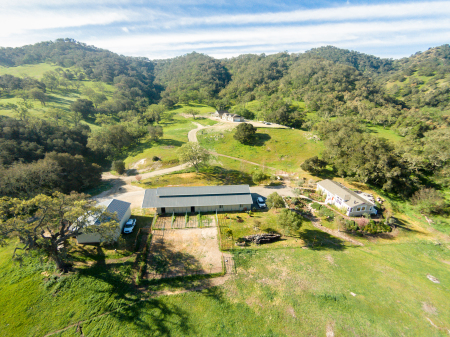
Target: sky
{"type": "Point", "coordinates": [160, 29]}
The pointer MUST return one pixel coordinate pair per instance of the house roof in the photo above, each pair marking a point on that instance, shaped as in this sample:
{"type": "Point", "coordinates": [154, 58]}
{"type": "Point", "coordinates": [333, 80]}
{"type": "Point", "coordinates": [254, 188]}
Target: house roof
{"type": "Point", "coordinates": [115, 206]}
{"type": "Point", "coordinates": [221, 112]}
{"type": "Point", "coordinates": [112, 206]}
{"type": "Point", "coordinates": [350, 198]}
{"type": "Point", "coordinates": [197, 196]}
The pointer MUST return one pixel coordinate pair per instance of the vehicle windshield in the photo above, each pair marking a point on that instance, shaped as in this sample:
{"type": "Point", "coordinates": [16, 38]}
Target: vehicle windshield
{"type": "Point", "coordinates": [128, 225]}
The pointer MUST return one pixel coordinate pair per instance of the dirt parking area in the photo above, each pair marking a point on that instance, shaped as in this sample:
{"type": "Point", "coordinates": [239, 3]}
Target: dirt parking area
{"type": "Point", "coordinates": [180, 252]}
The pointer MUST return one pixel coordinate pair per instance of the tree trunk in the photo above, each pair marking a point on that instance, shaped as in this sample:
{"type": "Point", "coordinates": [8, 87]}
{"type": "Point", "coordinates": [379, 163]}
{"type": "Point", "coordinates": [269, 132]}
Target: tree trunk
{"type": "Point", "coordinates": [58, 261]}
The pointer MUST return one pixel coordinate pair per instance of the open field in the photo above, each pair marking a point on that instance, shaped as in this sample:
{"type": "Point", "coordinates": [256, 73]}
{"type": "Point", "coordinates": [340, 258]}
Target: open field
{"type": "Point", "coordinates": [176, 129]}
{"type": "Point", "coordinates": [181, 252]}
{"type": "Point", "coordinates": [284, 149]}
{"type": "Point", "coordinates": [207, 176]}
{"type": "Point", "coordinates": [31, 70]}
{"type": "Point", "coordinates": [380, 290]}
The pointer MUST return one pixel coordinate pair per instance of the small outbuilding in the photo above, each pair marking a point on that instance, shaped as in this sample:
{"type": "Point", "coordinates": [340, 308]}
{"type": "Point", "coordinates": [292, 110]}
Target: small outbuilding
{"type": "Point", "coordinates": [122, 212]}
{"type": "Point", "coordinates": [198, 199]}
{"type": "Point", "coordinates": [350, 202]}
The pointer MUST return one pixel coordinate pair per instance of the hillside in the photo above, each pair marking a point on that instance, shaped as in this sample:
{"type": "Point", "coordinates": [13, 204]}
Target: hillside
{"type": "Point", "coordinates": [76, 118]}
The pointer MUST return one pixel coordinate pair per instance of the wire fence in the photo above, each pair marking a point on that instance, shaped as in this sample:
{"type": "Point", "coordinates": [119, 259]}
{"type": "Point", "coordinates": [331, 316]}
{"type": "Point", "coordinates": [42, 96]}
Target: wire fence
{"type": "Point", "coordinates": [184, 221]}
{"type": "Point", "coordinates": [224, 242]}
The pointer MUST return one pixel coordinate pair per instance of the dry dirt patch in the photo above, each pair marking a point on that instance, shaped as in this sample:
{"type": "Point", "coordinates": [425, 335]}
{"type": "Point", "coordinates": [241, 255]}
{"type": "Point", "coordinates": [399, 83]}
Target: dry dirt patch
{"type": "Point", "coordinates": [178, 252]}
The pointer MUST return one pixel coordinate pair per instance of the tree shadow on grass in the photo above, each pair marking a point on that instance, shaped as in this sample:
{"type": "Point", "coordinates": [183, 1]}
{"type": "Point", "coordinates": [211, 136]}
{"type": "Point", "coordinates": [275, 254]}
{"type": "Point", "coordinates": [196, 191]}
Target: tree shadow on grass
{"type": "Point", "coordinates": [133, 307]}
{"type": "Point", "coordinates": [318, 240]}
{"type": "Point", "coordinates": [260, 139]}
{"type": "Point", "coordinates": [225, 176]}
{"type": "Point", "coordinates": [144, 145]}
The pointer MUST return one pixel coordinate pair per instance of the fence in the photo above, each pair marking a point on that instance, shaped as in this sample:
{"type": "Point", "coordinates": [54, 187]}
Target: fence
{"type": "Point", "coordinates": [228, 267]}
{"type": "Point", "coordinates": [182, 222]}
{"type": "Point", "coordinates": [224, 242]}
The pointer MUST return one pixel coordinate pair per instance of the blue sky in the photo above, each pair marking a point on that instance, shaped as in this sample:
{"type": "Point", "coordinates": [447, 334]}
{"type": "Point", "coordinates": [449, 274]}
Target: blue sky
{"type": "Point", "coordinates": [161, 29]}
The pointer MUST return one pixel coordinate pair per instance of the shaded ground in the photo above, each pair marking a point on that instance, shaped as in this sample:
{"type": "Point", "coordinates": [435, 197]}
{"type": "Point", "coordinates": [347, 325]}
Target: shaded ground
{"type": "Point", "coordinates": [180, 252]}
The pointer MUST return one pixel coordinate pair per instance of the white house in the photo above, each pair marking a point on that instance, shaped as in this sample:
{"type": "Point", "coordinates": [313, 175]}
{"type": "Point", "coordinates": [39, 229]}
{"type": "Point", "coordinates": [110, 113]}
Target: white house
{"type": "Point", "coordinates": [232, 117]}
{"type": "Point", "coordinates": [198, 199]}
{"type": "Point", "coordinates": [348, 201]}
{"type": "Point", "coordinates": [122, 211]}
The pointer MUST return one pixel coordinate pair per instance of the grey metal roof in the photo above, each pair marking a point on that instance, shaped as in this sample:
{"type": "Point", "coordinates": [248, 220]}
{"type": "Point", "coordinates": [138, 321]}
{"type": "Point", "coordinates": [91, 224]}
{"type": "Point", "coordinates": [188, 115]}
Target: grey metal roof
{"type": "Point", "coordinates": [115, 206]}
{"type": "Point", "coordinates": [202, 190]}
{"type": "Point", "coordinates": [350, 198]}
{"type": "Point", "coordinates": [197, 196]}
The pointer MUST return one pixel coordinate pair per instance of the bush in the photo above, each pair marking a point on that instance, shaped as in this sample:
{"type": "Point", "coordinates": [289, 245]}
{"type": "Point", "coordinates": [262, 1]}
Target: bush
{"type": "Point", "coordinates": [275, 201]}
{"type": "Point", "coordinates": [118, 166]}
{"type": "Point", "coordinates": [316, 206]}
{"type": "Point", "coordinates": [290, 221]}
{"type": "Point", "coordinates": [258, 177]}
{"type": "Point", "coordinates": [324, 211]}
{"type": "Point", "coordinates": [350, 225]}
{"type": "Point", "coordinates": [155, 158]}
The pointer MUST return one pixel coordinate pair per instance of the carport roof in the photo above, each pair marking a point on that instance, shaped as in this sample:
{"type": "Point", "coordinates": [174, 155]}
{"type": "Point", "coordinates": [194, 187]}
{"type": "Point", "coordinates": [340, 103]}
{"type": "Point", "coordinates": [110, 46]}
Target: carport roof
{"type": "Point", "coordinates": [197, 196]}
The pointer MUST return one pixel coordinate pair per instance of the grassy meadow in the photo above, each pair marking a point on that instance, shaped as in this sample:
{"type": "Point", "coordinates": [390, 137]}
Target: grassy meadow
{"type": "Point", "coordinates": [176, 129]}
{"type": "Point", "coordinates": [60, 98]}
{"type": "Point", "coordinates": [375, 290]}
{"type": "Point", "coordinates": [283, 149]}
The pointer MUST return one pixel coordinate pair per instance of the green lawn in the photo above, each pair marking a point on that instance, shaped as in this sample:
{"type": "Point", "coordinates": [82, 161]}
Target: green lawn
{"type": "Point", "coordinates": [284, 149]}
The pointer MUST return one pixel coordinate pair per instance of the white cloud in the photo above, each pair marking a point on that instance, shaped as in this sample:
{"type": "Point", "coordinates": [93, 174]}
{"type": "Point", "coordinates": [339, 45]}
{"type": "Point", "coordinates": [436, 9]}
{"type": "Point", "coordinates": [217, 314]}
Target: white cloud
{"type": "Point", "coordinates": [125, 29]}
{"type": "Point", "coordinates": [293, 38]}
{"type": "Point", "coordinates": [364, 12]}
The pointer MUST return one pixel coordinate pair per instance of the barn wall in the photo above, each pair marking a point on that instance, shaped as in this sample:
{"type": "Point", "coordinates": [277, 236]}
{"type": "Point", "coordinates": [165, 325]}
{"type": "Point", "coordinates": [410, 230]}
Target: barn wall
{"type": "Point", "coordinates": [204, 209]}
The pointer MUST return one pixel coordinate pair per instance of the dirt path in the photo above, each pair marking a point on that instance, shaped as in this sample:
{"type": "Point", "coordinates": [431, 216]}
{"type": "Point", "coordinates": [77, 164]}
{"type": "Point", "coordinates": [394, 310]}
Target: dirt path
{"type": "Point", "coordinates": [333, 232]}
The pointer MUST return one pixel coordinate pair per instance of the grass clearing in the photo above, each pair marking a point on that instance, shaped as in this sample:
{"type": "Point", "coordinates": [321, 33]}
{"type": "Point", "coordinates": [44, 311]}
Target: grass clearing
{"type": "Point", "coordinates": [176, 129]}
{"type": "Point", "coordinates": [379, 131]}
{"type": "Point", "coordinates": [241, 224]}
{"type": "Point", "coordinates": [284, 149]}
{"type": "Point", "coordinates": [31, 70]}
{"type": "Point", "coordinates": [60, 98]}
{"type": "Point", "coordinates": [284, 291]}
{"type": "Point", "coordinates": [207, 176]}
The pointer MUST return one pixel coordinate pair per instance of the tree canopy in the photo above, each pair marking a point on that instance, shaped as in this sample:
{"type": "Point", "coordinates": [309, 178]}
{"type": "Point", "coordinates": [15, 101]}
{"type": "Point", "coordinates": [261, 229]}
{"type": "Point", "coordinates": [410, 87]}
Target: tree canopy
{"type": "Point", "coordinates": [45, 223]}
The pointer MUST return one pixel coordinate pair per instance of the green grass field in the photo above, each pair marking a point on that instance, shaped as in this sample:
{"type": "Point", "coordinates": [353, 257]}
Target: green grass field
{"type": "Point", "coordinates": [175, 129]}
{"type": "Point", "coordinates": [31, 70]}
{"type": "Point", "coordinates": [379, 131]}
{"type": "Point", "coordinates": [375, 290]}
{"type": "Point", "coordinates": [60, 98]}
{"type": "Point", "coordinates": [284, 149]}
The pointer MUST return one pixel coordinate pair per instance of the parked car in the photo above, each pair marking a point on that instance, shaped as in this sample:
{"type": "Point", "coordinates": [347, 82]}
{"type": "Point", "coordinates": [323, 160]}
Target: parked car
{"type": "Point", "coordinates": [129, 226]}
{"type": "Point", "coordinates": [260, 202]}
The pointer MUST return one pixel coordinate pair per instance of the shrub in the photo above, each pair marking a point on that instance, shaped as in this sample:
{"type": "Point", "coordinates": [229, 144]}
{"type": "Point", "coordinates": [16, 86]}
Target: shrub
{"type": "Point", "coordinates": [258, 177]}
{"type": "Point", "coordinates": [118, 166]}
{"type": "Point", "coordinates": [228, 233]}
{"type": "Point", "coordinates": [324, 211]}
{"type": "Point", "coordinates": [274, 200]}
{"type": "Point", "coordinates": [155, 158]}
{"type": "Point", "coordinates": [350, 225]}
{"type": "Point", "coordinates": [289, 221]}
{"type": "Point", "coordinates": [316, 206]}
